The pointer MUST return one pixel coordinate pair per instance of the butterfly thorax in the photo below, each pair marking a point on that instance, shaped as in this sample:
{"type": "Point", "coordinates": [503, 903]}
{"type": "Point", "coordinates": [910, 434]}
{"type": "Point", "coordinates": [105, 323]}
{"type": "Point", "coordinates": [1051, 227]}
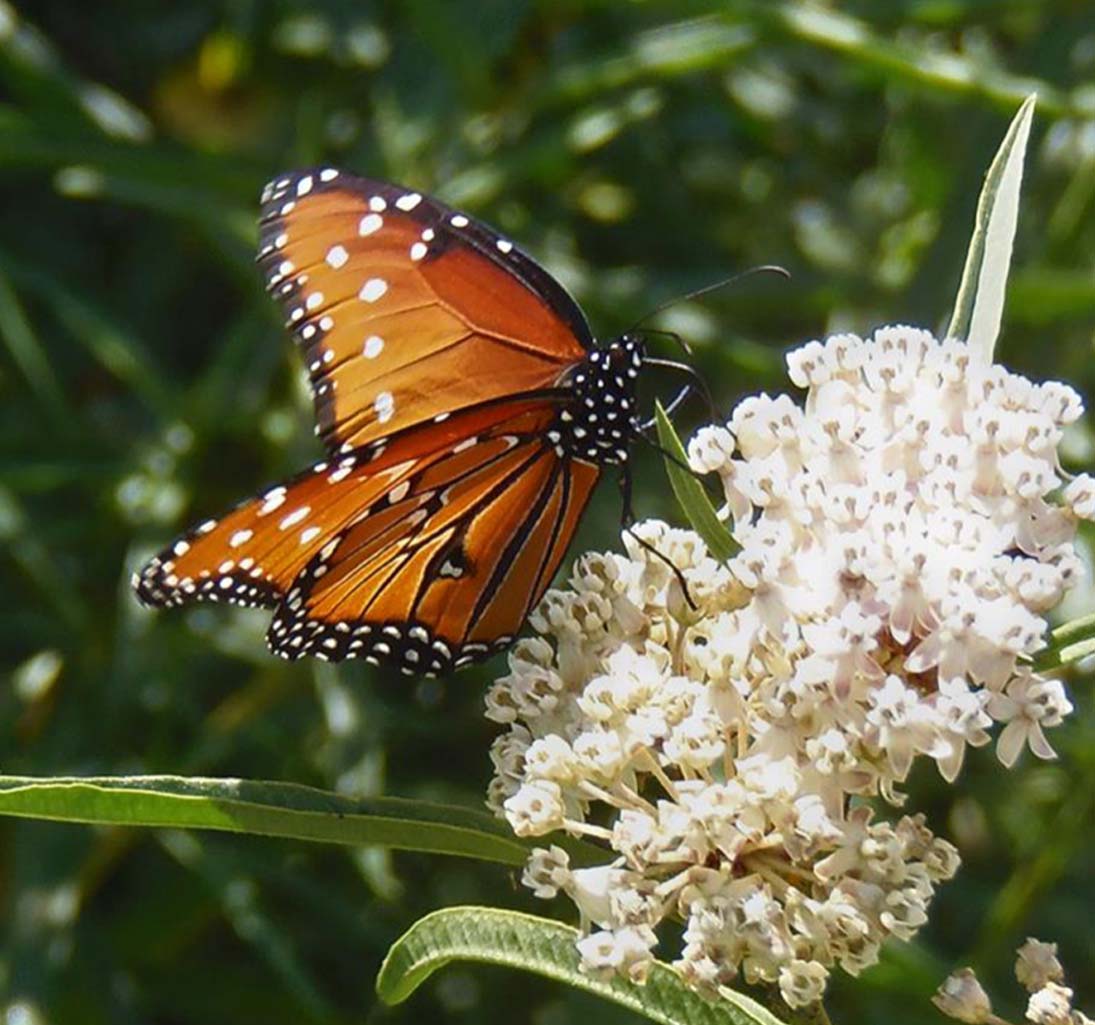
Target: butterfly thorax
{"type": "Point", "coordinates": [599, 417]}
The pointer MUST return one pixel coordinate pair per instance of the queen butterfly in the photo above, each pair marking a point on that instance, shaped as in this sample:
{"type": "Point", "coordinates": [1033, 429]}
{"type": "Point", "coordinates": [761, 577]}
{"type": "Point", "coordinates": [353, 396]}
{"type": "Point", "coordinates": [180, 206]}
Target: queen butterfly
{"type": "Point", "coordinates": [467, 415]}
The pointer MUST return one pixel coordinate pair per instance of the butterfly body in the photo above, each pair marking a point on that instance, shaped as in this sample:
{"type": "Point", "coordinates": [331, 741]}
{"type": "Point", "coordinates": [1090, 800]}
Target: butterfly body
{"type": "Point", "coordinates": [598, 421]}
{"type": "Point", "coordinates": [467, 416]}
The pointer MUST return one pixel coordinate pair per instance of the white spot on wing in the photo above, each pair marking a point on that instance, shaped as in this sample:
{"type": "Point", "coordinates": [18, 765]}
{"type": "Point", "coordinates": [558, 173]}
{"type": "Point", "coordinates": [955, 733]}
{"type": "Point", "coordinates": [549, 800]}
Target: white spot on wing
{"type": "Point", "coordinates": [384, 406]}
{"type": "Point", "coordinates": [309, 534]}
{"type": "Point", "coordinates": [408, 201]}
{"type": "Point", "coordinates": [504, 246]}
{"type": "Point", "coordinates": [374, 345]}
{"type": "Point", "coordinates": [370, 223]}
{"type": "Point", "coordinates": [304, 186]}
{"type": "Point", "coordinates": [373, 289]}
{"type": "Point", "coordinates": [294, 517]}
{"type": "Point", "coordinates": [399, 492]}
{"type": "Point", "coordinates": [458, 221]}
{"type": "Point", "coordinates": [418, 250]}
{"type": "Point", "coordinates": [337, 256]}
{"type": "Point", "coordinates": [328, 174]}
{"type": "Point", "coordinates": [240, 537]}
{"type": "Point", "coordinates": [272, 499]}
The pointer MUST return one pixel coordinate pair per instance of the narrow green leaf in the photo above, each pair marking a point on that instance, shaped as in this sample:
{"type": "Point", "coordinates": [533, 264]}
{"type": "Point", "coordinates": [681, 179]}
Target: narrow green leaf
{"type": "Point", "coordinates": [979, 305]}
{"type": "Point", "coordinates": [690, 493]}
{"type": "Point", "coordinates": [1068, 643]}
{"type": "Point", "coordinates": [28, 353]}
{"type": "Point", "coordinates": [495, 936]}
{"type": "Point", "coordinates": [244, 908]}
{"type": "Point", "coordinates": [937, 72]}
{"type": "Point", "coordinates": [268, 809]}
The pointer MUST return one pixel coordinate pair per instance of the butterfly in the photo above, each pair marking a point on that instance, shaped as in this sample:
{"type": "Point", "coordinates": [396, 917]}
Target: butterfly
{"type": "Point", "coordinates": [467, 415]}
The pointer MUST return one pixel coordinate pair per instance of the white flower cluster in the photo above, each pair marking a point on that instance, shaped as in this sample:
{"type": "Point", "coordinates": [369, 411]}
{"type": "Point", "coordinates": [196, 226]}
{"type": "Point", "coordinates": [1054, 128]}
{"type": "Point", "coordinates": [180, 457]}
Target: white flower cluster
{"type": "Point", "coordinates": [1050, 1003]}
{"type": "Point", "coordinates": [898, 553]}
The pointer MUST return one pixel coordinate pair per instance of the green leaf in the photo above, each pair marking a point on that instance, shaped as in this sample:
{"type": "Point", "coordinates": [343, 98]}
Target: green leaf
{"type": "Point", "coordinates": [494, 936]}
{"type": "Point", "coordinates": [979, 306]}
{"type": "Point", "coordinates": [28, 353]}
{"type": "Point", "coordinates": [1068, 643]}
{"type": "Point", "coordinates": [910, 61]}
{"type": "Point", "coordinates": [690, 493]}
{"type": "Point", "coordinates": [269, 809]}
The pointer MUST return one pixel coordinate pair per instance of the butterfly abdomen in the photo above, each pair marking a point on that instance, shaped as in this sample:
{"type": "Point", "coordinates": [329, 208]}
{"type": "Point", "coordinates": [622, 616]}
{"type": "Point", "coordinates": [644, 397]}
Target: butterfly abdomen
{"type": "Point", "coordinates": [599, 419]}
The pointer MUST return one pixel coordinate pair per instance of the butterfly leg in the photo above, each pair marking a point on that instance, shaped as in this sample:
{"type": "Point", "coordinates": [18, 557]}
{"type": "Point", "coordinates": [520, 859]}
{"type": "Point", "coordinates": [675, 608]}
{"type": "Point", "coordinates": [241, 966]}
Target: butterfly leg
{"type": "Point", "coordinates": [627, 519]}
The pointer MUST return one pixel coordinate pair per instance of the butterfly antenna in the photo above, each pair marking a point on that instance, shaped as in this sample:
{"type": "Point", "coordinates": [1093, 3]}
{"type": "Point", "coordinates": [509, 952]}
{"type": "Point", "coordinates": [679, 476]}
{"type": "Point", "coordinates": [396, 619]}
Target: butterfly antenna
{"type": "Point", "coordinates": [701, 385]}
{"type": "Point", "coordinates": [627, 519]}
{"type": "Point", "coordinates": [767, 268]}
{"type": "Point", "coordinates": [681, 343]}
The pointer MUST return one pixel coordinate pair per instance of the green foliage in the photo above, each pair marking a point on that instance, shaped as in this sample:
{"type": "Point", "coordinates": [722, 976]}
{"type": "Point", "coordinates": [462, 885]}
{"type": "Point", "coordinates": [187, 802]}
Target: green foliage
{"type": "Point", "coordinates": [641, 150]}
{"type": "Point", "coordinates": [980, 302]}
{"type": "Point", "coordinates": [266, 809]}
{"type": "Point", "coordinates": [1070, 642]}
{"type": "Point", "coordinates": [694, 503]}
{"type": "Point", "coordinates": [546, 948]}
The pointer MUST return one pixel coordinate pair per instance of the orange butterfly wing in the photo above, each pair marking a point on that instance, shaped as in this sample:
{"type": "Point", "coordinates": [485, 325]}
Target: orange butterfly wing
{"type": "Point", "coordinates": [442, 571]}
{"type": "Point", "coordinates": [448, 532]}
{"type": "Point", "coordinates": [406, 310]}
{"type": "Point", "coordinates": [442, 361]}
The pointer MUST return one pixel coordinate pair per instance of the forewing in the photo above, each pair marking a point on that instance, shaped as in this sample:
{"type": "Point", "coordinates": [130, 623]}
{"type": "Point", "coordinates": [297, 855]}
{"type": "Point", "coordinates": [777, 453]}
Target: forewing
{"type": "Point", "coordinates": [405, 309]}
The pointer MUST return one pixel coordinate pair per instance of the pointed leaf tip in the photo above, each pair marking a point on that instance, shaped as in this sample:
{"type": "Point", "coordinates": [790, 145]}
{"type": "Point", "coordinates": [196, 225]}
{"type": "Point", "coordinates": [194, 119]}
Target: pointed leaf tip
{"type": "Point", "coordinates": [979, 305]}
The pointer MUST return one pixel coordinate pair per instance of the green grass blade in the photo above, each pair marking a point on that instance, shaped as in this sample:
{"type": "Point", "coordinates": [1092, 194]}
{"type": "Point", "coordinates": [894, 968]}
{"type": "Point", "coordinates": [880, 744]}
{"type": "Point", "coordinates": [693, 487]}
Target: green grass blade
{"type": "Point", "coordinates": [690, 493]}
{"type": "Point", "coordinates": [494, 936]}
{"type": "Point", "coordinates": [979, 305]}
{"type": "Point", "coordinates": [28, 353]}
{"type": "Point", "coordinates": [247, 910]}
{"type": "Point", "coordinates": [112, 345]}
{"type": "Point", "coordinates": [935, 71]}
{"type": "Point", "coordinates": [266, 809]}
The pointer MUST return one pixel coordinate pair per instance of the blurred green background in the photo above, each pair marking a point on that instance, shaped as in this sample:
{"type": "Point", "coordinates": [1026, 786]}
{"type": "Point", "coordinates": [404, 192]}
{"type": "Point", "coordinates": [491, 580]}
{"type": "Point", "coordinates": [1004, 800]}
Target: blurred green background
{"type": "Point", "coordinates": [640, 150]}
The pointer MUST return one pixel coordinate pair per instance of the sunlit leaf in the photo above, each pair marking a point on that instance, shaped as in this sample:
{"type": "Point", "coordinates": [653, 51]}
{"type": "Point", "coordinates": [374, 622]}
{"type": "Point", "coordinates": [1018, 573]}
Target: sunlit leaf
{"type": "Point", "coordinates": [266, 809]}
{"type": "Point", "coordinates": [690, 493]}
{"type": "Point", "coordinates": [493, 936]}
{"type": "Point", "coordinates": [979, 306]}
{"type": "Point", "coordinates": [1068, 643]}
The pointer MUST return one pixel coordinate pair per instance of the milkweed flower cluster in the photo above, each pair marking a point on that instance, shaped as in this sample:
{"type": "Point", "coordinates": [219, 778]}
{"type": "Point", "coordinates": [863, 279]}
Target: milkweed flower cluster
{"type": "Point", "coordinates": [902, 536]}
{"type": "Point", "coordinates": [1036, 967]}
